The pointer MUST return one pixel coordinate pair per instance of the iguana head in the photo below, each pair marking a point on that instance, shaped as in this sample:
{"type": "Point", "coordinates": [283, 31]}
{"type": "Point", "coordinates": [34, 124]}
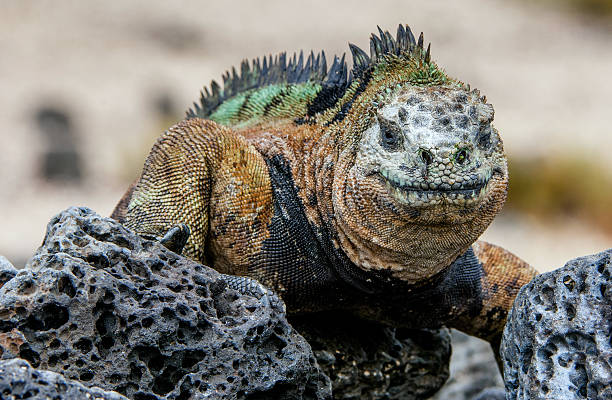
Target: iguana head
{"type": "Point", "coordinates": [431, 149]}
{"type": "Point", "coordinates": [421, 172]}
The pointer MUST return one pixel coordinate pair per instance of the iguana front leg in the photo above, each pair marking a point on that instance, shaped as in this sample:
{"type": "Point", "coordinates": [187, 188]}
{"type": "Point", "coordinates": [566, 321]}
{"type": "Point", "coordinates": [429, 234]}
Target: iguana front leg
{"type": "Point", "coordinates": [209, 179]}
{"type": "Point", "coordinates": [176, 238]}
{"type": "Point", "coordinates": [502, 275]}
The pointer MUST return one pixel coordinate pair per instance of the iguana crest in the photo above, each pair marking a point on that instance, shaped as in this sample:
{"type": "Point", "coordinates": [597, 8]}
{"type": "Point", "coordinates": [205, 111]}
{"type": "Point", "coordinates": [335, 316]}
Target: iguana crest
{"type": "Point", "coordinates": [279, 89]}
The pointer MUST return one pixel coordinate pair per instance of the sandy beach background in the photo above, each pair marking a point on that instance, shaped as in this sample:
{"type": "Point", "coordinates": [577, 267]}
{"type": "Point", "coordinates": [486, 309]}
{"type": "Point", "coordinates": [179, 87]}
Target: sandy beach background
{"type": "Point", "coordinates": [125, 71]}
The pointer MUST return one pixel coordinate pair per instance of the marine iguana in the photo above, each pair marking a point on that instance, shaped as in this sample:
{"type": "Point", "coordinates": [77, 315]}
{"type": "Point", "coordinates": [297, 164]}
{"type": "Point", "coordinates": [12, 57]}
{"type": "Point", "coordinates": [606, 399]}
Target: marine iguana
{"type": "Point", "coordinates": [363, 191]}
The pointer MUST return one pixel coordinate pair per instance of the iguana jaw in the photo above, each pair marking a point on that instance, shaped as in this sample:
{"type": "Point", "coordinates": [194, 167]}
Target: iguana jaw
{"type": "Point", "coordinates": [410, 242]}
{"type": "Point", "coordinates": [420, 193]}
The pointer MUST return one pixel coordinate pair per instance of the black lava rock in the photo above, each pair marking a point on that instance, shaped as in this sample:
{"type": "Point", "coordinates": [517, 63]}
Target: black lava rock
{"type": "Point", "coordinates": [369, 361]}
{"type": "Point", "coordinates": [7, 271]}
{"type": "Point", "coordinates": [18, 380]}
{"type": "Point", "coordinates": [100, 305]}
{"type": "Point", "coordinates": [556, 343]}
{"type": "Point", "coordinates": [103, 306]}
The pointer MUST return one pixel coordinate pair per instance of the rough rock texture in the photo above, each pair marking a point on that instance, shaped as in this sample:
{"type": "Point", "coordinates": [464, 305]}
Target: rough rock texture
{"type": "Point", "coordinates": [7, 271]}
{"type": "Point", "coordinates": [105, 307]}
{"type": "Point", "coordinates": [18, 380]}
{"type": "Point", "coordinates": [473, 371]}
{"type": "Point", "coordinates": [101, 305]}
{"type": "Point", "coordinates": [556, 343]}
{"type": "Point", "coordinates": [369, 361]}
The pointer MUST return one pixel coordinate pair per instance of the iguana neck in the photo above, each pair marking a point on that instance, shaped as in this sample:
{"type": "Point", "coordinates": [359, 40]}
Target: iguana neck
{"type": "Point", "coordinates": [321, 175]}
{"type": "Point", "coordinates": [405, 247]}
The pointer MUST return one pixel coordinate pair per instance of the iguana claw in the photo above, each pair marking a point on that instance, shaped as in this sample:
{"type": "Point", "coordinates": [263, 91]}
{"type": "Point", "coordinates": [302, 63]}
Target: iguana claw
{"type": "Point", "coordinates": [176, 238]}
{"type": "Point", "coordinates": [251, 287]}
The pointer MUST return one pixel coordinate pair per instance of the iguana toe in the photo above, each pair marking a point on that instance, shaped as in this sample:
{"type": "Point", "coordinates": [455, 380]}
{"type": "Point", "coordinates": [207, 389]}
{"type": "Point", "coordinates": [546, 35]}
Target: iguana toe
{"type": "Point", "coordinates": [176, 238]}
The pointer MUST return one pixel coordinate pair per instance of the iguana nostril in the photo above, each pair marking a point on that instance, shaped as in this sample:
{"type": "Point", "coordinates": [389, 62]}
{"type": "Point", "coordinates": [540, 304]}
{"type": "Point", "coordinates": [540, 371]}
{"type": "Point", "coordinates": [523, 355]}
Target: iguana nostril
{"type": "Point", "coordinates": [426, 156]}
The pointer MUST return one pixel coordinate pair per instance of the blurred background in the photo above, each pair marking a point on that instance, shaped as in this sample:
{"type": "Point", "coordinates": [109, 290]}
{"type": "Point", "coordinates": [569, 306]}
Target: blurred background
{"type": "Point", "coordinates": [86, 87]}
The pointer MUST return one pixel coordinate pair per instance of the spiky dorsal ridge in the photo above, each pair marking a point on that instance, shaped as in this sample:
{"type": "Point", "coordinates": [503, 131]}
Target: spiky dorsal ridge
{"type": "Point", "coordinates": [384, 45]}
{"type": "Point", "coordinates": [308, 87]}
{"type": "Point", "coordinates": [269, 71]}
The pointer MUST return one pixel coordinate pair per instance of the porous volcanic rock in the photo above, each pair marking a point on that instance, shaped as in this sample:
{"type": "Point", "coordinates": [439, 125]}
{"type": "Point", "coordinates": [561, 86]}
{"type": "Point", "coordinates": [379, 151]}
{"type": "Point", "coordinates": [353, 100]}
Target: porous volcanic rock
{"type": "Point", "coordinates": [18, 380]}
{"type": "Point", "coordinates": [369, 361]}
{"type": "Point", "coordinates": [100, 305]}
{"type": "Point", "coordinates": [7, 271]}
{"type": "Point", "coordinates": [556, 343]}
{"type": "Point", "coordinates": [103, 306]}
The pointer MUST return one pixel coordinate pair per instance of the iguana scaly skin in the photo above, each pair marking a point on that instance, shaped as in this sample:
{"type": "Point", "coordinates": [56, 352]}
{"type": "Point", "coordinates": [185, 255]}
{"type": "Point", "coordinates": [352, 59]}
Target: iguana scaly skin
{"type": "Point", "coordinates": [363, 192]}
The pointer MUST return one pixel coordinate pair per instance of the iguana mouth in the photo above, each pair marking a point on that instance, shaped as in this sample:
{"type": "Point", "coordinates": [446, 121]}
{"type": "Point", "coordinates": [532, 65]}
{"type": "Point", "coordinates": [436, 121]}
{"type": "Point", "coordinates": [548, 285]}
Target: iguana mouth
{"type": "Point", "coordinates": [435, 191]}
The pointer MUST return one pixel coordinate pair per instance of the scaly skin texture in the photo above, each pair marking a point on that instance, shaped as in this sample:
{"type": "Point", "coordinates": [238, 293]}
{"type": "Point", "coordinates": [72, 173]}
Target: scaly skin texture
{"type": "Point", "coordinates": [365, 194]}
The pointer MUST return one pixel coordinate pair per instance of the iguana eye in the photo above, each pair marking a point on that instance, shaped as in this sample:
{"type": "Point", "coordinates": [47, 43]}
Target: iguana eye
{"type": "Point", "coordinates": [389, 138]}
{"type": "Point", "coordinates": [390, 134]}
{"type": "Point", "coordinates": [461, 156]}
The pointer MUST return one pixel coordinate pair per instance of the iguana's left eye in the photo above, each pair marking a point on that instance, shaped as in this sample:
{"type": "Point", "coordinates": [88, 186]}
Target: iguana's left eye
{"type": "Point", "coordinates": [462, 156]}
{"type": "Point", "coordinates": [390, 134]}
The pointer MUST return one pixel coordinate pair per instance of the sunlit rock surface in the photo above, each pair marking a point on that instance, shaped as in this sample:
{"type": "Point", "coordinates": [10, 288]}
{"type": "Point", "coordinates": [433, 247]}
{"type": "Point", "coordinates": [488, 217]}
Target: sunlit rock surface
{"type": "Point", "coordinates": [556, 343]}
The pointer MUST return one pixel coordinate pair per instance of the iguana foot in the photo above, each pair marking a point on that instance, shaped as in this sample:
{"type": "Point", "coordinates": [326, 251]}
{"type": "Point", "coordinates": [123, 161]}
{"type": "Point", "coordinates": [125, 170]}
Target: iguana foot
{"type": "Point", "coordinates": [176, 238]}
{"type": "Point", "coordinates": [251, 287]}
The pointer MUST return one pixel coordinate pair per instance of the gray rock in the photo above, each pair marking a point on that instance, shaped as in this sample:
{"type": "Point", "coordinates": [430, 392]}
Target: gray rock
{"type": "Point", "coordinates": [556, 344]}
{"type": "Point", "coordinates": [18, 380]}
{"type": "Point", "coordinates": [7, 271]}
{"type": "Point", "coordinates": [101, 305]}
{"type": "Point", "coordinates": [473, 370]}
{"type": "Point", "coordinates": [491, 394]}
{"type": "Point", "coordinates": [369, 361]}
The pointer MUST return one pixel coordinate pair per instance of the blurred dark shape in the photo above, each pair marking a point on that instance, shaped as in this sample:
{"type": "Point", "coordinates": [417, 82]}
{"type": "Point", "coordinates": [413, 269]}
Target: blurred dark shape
{"type": "Point", "coordinates": [600, 8]}
{"type": "Point", "coordinates": [60, 159]}
{"type": "Point", "coordinates": [165, 106]}
{"type": "Point", "coordinates": [474, 371]}
{"type": "Point", "coordinates": [562, 185]}
{"type": "Point", "coordinates": [175, 37]}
